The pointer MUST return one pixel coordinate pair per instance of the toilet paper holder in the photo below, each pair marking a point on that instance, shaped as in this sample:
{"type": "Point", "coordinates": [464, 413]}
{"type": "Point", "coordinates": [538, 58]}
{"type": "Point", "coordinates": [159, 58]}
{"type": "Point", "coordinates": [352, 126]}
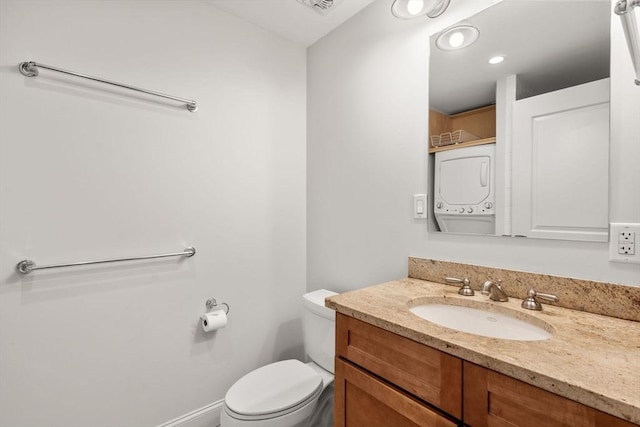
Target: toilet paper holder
{"type": "Point", "coordinates": [212, 304]}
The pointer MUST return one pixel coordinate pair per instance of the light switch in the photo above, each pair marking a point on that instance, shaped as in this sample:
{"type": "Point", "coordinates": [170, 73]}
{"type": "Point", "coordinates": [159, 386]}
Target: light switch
{"type": "Point", "coordinates": [420, 206]}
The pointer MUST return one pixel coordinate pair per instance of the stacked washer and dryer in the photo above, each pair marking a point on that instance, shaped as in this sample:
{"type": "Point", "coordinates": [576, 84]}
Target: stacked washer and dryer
{"type": "Point", "coordinates": [464, 190]}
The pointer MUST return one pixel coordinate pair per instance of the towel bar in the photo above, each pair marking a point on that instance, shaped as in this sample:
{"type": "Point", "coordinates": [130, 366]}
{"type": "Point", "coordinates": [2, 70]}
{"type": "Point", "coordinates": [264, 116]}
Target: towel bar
{"type": "Point", "coordinates": [27, 266]}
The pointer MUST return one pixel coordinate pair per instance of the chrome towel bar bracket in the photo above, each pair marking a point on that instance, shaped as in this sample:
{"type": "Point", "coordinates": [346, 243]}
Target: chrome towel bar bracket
{"type": "Point", "coordinates": [27, 266]}
{"type": "Point", "coordinates": [625, 10]}
{"type": "Point", "coordinates": [30, 69]}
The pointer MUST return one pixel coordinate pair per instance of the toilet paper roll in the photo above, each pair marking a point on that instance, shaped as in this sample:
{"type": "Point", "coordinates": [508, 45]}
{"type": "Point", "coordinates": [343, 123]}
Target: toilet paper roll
{"type": "Point", "coordinates": [213, 320]}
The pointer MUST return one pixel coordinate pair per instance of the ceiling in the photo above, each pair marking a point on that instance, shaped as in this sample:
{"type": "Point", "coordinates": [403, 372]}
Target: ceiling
{"type": "Point", "coordinates": [292, 19]}
{"type": "Point", "coordinates": [549, 45]}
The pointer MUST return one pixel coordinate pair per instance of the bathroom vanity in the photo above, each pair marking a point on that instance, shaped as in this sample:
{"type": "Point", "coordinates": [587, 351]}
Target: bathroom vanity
{"type": "Point", "coordinates": [394, 368]}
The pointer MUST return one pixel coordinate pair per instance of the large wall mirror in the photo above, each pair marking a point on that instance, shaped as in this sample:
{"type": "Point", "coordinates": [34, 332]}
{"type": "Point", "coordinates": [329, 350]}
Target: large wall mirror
{"type": "Point", "coordinates": [520, 147]}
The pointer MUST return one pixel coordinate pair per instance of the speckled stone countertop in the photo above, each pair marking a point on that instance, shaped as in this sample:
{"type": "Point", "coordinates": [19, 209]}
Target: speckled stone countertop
{"type": "Point", "coordinates": [590, 358]}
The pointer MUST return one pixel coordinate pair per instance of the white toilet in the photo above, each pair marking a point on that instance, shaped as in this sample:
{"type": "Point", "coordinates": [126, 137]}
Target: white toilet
{"type": "Point", "coordinates": [287, 393]}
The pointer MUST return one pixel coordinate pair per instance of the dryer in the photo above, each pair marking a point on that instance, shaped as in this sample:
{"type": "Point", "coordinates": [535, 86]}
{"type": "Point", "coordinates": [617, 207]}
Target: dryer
{"type": "Point", "coordinates": [464, 190]}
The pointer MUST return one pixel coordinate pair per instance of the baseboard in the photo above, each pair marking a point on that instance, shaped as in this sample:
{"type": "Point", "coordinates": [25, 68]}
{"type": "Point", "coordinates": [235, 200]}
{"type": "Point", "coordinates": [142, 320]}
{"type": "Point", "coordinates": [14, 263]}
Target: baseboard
{"type": "Point", "coordinates": [207, 416]}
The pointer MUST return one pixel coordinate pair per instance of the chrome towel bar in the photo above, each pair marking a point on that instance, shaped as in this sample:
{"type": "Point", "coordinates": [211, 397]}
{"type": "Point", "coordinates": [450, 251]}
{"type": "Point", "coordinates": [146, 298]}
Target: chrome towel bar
{"type": "Point", "coordinates": [27, 266]}
{"type": "Point", "coordinates": [30, 69]}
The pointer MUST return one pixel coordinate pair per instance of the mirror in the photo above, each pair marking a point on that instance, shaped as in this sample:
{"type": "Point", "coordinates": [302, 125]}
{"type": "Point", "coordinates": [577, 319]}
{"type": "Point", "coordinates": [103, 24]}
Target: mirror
{"type": "Point", "coordinates": [548, 47]}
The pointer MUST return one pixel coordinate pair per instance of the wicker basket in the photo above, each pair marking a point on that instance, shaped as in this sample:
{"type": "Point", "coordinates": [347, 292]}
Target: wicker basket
{"type": "Point", "coordinates": [449, 138]}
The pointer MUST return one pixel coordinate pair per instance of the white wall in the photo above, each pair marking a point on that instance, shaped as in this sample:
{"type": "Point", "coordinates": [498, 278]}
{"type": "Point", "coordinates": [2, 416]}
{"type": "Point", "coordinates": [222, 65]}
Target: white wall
{"type": "Point", "coordinates": [367, 148]}
{"type": "Point", "coordinates": [362, 157]}
{"type": "Point", "coordinates": [89, 172]}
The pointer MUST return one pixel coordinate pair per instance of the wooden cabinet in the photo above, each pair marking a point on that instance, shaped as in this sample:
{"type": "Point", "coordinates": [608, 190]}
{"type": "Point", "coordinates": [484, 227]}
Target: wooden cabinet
{"type": "Point", "coordinates": [494, 400]}
{"type": "Point", "coordinates": [396, 379]}
{"type": "Point", "coordinates": [480, 122]}
{"type": "Point", "coordinates": [362, 400]}
{"type": "Point", "coordinates": [385, 380]}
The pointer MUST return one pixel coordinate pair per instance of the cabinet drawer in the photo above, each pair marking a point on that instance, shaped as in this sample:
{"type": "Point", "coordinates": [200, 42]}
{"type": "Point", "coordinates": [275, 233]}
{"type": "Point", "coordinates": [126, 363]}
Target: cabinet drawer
{"type": "Point", "coordinates": [495, 400]}
{"type": "Point", "coordinates": [427, 373]}
{"type": "Point", "coordinates": [373, 403]}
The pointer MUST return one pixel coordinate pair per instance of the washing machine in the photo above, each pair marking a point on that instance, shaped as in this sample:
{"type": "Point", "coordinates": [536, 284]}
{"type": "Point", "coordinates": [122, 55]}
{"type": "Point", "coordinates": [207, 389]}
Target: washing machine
{"type": "Point", "coordinates": [464, 190]}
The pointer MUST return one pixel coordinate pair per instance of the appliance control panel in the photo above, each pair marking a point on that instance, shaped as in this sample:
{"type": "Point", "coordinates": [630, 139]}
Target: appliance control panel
{"type": "Point", "coordinates": [485, 208]}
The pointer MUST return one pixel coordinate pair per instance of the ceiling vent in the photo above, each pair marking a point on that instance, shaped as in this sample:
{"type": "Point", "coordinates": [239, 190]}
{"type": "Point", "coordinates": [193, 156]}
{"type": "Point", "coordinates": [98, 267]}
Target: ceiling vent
{"type": "Point", "coordinates": [321, 6]}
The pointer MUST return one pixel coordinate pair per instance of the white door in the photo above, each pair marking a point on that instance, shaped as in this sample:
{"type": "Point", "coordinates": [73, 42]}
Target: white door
{"type": "Point", "coordinates": [561, 164]}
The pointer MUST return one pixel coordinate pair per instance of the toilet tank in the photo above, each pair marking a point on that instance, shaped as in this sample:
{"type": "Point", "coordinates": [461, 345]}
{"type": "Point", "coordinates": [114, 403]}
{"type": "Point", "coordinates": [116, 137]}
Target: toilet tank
{"type": "Point", "coordinates": [319, 328]}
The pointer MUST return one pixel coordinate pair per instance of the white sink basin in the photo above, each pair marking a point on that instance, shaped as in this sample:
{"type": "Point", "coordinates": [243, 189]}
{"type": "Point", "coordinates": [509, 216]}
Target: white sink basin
{"type": "Point", "coordinates": [485, 322]}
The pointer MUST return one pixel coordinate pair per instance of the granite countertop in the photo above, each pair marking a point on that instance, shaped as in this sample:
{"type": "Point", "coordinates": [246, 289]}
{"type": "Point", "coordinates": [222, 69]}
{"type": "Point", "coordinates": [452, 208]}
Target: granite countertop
{"type": "Point", "coordinates": [590, 358]}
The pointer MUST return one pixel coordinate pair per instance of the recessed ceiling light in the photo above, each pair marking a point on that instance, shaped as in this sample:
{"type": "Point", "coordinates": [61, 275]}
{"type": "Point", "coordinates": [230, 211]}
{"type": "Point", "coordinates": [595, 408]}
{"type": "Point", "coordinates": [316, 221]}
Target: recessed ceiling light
{"type": "Point", "coordinates": [414, 7]}
{"type": "Point", "coordinates": [496, 59]}
{"type": "Point", "coordinates": [457, 37]}
{"type": "Point", "coordinates": [407, 9]}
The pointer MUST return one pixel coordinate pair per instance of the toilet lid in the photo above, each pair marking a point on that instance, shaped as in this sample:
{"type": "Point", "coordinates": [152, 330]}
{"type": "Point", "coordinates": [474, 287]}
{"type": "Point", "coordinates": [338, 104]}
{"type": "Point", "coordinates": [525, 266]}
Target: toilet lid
{"type": "Point", "coordinates": [273, 388]}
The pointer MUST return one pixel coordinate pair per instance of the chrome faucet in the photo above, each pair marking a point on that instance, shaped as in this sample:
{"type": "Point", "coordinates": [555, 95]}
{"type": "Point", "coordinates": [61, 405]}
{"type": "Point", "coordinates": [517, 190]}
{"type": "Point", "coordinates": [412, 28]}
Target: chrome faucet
{"type": "Point", "coordinates": [494, 290]}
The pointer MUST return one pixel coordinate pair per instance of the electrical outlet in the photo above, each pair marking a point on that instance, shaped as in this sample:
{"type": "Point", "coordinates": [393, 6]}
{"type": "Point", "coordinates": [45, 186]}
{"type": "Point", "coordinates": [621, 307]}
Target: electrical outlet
{"type": "Point", "coordinates": [626, 249]}
{"type": "Point", "coordinates": [626, 237]}
{"type": "Point", "coordinates": [622, 242]}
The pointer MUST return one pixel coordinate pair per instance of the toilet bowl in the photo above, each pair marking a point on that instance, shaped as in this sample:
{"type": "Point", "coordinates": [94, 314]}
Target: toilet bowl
{"type": "Point", "coordinates": [286, 393]}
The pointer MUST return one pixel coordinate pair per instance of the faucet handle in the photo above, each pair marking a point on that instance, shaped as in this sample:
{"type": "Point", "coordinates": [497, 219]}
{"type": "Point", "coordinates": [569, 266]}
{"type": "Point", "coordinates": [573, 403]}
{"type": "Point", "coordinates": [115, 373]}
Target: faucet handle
{"type": "Point", "coordinates": [465, 289]}
{"type": "Point", "coordinates": [547, 297]}
{"type": "Point", "coordinates": [464, 281]}
{"type": "Point", "coordinates": [531, 303]}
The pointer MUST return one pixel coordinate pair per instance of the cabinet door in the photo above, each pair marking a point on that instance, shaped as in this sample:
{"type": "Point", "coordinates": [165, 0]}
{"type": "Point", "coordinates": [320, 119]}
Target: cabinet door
{"type": "Point", "coordinates": [495, 400]}
{"type": "Point", "coordinates": [560, 177]}
{"type": "Point", "coordinates": [426, 373]}
{"type": "Point", "coordinates": [361, 400]}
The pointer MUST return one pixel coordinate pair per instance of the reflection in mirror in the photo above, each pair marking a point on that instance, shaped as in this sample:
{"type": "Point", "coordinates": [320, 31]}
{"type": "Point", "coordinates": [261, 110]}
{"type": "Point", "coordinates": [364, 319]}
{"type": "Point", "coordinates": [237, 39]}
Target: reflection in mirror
{"type": "Point", "coordinates": [490, 174]}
